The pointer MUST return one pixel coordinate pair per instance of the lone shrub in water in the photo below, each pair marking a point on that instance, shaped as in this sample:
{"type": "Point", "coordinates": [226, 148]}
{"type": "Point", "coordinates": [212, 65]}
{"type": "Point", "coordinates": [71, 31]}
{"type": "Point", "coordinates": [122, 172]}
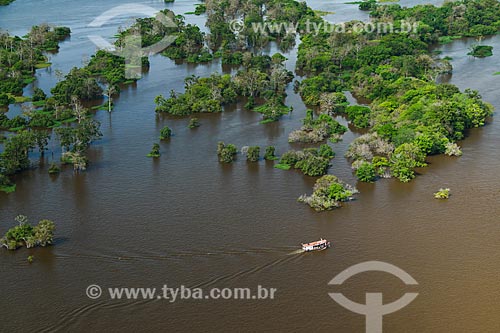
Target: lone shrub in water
{"type": "Point", "coordinates": [452, 149]}
{"type": "Point", "coordinates": [155, 151]}
{"type": "Point", "coordinates": [269, 155]}
{"type": "Point", "coordinates": [193, 123]}
{"type": "Point", "coordinates": [226, 152]}
{"type": "Point", "coordinates": [443, 193]}
{"type": "Point", "coordinates": [253, 153]}
{"type": "Point", "coordinates": [54, 169]}
{"type": "Point", "coordinates": [165, 133]}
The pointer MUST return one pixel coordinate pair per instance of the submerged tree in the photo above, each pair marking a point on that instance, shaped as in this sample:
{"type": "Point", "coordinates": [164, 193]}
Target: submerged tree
{"type": "Point", "coordinates": [194, 122]}
{"type": "Point", "coordinates": [253, 153]}
{"type": "Point", "coordinates": [269, 154]}
{"type": "Point", "coordinates": [155, 151]}
{"type": "Point", "coordinates": [165, 133]}
{"type": "Point", "coordinates": [225, 152]}
{"type": "Point", "coordinates": [109, 92]}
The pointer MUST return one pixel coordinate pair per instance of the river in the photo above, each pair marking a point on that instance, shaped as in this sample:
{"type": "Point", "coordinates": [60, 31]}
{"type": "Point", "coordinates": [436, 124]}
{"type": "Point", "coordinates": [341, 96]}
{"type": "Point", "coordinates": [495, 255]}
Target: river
{"type": "Point", "coordinates": [185, 219]}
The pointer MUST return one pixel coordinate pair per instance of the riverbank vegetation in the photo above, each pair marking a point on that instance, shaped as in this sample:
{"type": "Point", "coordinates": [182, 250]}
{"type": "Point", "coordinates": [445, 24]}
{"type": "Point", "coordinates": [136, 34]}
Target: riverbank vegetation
{"type": "Point", "coordinates": [27, 235]}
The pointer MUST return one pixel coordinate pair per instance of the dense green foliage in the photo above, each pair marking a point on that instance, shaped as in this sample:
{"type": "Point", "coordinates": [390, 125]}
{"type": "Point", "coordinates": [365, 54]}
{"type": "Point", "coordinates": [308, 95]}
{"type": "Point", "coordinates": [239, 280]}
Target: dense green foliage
{"type": "Point", "coordinates": [76, 139]}
{"type": "Point", "coordinates": [19, 57]}
{"type": "Point", "coordinates": [328, 193]}
{"type": "Point", "coordinates": [27, 235]}
{"type": "Point", "coordinates": [201, 95]}
{"type": "Point", "coordinates": [253, 153]}
{"type": "Point", "coordinates": [411, 114]}
{"type": "Point", "coordinates": [155, 151]}
{"type": "Point", "coordinates": [227, 152]}
{"type": "Point", "coordinates": [262, 76]}
{"type": "Point", "coordinates": [270, 154]}
{"type": "Point", "coordinates": [481, 51]}
{"type": "Point", "coordinates": [317, 130]}
{"type": "Point", "coordinates": [311, 161]}
{"type": "Point", "coordinates": [273, 12]}
{"type": "Point", "coordinates": [467, 18]}
{"type": "Point", "coordinates": [187, 40]}
{"type": "Point", "coordinates": [366, 172]}
{"type": "Point", "coordinates": [358, 115]}
{"type": "Point", "coordinates": [165, 133]}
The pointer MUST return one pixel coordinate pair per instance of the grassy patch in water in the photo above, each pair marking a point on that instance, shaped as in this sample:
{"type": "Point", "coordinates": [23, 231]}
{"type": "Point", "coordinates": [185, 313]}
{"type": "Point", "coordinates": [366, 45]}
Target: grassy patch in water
{"type": "Point", "coordinates": [43, 65]}
{"type": "Point", "coordinates": [481, 51]}
{"type": "Point", "coordinates": [283, 166]}
{"type": "Point", "coordinates": [8, 189]}
{"type": "Point", "coordinates": [323, 12]}
{"type": "Point", "coordinates": [100, 107]}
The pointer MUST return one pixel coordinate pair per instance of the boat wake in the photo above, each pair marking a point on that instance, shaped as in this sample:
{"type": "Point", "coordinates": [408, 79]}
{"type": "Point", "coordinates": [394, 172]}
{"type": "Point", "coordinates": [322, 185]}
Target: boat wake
{"type": "Point", "coordinates": [299, 251]}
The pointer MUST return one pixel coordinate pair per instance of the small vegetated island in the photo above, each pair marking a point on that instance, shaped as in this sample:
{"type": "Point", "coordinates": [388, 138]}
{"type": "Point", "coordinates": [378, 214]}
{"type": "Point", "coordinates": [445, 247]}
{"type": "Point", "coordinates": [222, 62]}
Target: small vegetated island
{"type": "Point", "coordinates": [409, 115]}
{"type": "Point", "coordinates": [24, 234]}
{"type": "Point", "coordinates": [481, 51]}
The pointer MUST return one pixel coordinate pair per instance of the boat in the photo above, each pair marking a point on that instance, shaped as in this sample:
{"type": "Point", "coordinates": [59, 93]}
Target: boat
{"type": "Point", "coordinates": [320, 245]}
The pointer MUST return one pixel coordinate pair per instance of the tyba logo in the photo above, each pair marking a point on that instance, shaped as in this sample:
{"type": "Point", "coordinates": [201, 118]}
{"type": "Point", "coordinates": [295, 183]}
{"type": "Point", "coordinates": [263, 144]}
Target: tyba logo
{"type": "Point", "coordinates": [131, 48]}
{"type": "Point", "coordinates": [373, 309]}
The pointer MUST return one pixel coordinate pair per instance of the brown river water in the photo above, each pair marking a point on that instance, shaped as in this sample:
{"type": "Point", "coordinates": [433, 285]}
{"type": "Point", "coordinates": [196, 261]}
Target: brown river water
{"type": "Point", "coordinates": [185, 219]}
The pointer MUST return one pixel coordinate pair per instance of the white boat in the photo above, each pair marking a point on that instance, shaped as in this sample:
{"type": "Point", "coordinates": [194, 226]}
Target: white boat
{"type": "Point", "coordinates": [322, 244]}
